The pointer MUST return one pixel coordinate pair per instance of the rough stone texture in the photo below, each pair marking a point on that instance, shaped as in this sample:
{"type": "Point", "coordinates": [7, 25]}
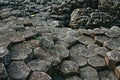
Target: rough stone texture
{"type": "Point", "coordinates": [18, 70]}
{"type": "Point", "coordinates": [73, 78]}
{"type": "Point", "coordinates": [69, 67]}
{"type": "Point", "coordinates": [40, 76]}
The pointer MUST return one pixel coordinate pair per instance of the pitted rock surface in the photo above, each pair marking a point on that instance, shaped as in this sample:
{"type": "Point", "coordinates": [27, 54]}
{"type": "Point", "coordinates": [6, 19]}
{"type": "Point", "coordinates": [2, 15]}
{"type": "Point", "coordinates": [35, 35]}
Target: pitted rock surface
{"type": "Point", "coordinates": [59, 40]}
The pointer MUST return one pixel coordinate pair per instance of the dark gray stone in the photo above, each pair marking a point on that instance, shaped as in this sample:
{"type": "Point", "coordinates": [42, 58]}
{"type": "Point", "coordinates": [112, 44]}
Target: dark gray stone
{"type": "Point", "coordinates": [73, 78]}
{"type": "Point", "coordinates": [18, 70]}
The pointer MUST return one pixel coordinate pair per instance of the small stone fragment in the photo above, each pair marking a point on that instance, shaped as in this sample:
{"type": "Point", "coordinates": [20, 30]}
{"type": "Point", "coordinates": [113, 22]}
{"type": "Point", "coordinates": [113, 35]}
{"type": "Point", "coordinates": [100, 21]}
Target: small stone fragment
{"type": "Point", "coordinates": [18, 70]}
{"type": "Point", "coordinates": [69, 67]}
{"type": "Point", "coordinates": [40, 76]}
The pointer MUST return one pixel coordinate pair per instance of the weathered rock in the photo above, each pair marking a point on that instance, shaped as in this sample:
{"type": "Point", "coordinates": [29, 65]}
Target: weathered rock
{"type": "Point", "coordinates": [112, 58]}
{"type": "Point", "coordinates": [85, 40]}
{"type": "Point", "coordinates": [3, 52]}
{"type": "Point", "coordinates": [69, 67]}
{"type": "Point", "coordinates": [85, 32]}
{"type": "Point", "coordinates": [40, 76]}
{"type": "Point", "coordinates": [18, 70]}
{"type": "Point", "coordinates": [93, 78]}
{"type": "Point", "coordinates": [97, 62]}
{"type": "Point", "coordinates": [39, 65]}
{"type": "Point", "coordinates": [64, 52]}
{"type": "Point", "coordinates": [117, 72]}
{"type": "Point", "coordinates": [73, 78]}
{"type": "Point", "coordinates": [101, 51]}
{"type": "Point", "coordinates": [88, 72]}
{"type": "Point", "coordinates": [106, 75]}
{"type": "Point", "coordinates": [79, 59]}
{"type": "Point", "coordinates": [21, 51]}
{"type": "Point", "coordinates": [40, 53]}
{"type": "Point", "coordinates": [112, 43]}
{"type": "Point", "coordinates": [100, 39]}
{"type": "Point", "coordinates": [98, 31]}
{"type": "Point", "coordinates": [3, 72]}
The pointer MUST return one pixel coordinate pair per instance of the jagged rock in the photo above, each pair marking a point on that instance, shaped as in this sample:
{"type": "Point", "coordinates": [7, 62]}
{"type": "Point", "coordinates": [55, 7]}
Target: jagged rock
{"type": "Point", "coordinates": [88, 72]}
{"type": "Point", "coordinates": [73, 78]}
{"type": "Point", "coordinates": [69, 67]}
{"type": "Point", "coordinates": [112, 58]}
{"type": "Point", "coordinates": [112, 43]}
{"type": "Point", "coordinates": [21, 51]}
{"type": "Point", "coordinates": [101, 51]}
{"type": "Point", "coordinates": [39, 65]}
{"type": "Point", "coordinates": [85, 40]}
{"type": "Point", "coordinates": [40, 76]}
{"type": "Point", "coordinates": [3, 72]}
{"type": "Point", "coordinates": [97, 62]}
{"type": "Point", "coordinates": [18, 70]}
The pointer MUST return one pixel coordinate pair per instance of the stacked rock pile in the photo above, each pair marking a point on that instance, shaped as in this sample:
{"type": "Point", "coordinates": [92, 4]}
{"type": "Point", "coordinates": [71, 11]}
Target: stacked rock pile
{"type": "Point", "coordinates": [38, 42]}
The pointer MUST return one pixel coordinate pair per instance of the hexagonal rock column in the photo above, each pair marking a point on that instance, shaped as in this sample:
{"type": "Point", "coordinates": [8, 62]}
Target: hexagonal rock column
{"type": "Point", "coordinates": [40, 76]}
{"type": "Point", "coordinates": [3, 72]}
{"type": "Point", "coordinates": [69, 67]}
{"type": "Point", "coordinates": [18, 70]}
{"type": "Point", "coordinates": [97, 62]}
{"type": "Point", "coordinates": [112, 58]}
{"type": "Point", "coordinates": [21, 51]}
{"type": "Point", "coordinates": [73, 78]}
{"type": "Point", "coordinates": [88, 72]}
{"type": "Point", "coordinates": [39, 65]}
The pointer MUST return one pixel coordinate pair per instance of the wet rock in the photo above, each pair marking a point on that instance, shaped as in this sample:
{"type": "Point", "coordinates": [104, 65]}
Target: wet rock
{"type": "Point", "coordinates": [18, 70]}
{"type": "Point", "coordinates": [88, 72]}
{"type": "Point", "coordinates": [3, 72]}
{"type": "Point", "coordinates": [69, 67]}
{"type": "Point", "coordinates": [64, 52]}
{"type": "Point", "coordinates": [85, 40]}
{"type": "Point", "coordinates": [40, 76]}
{"type": "Point", "coordinates": [3, 52]}
{"type": "Point", "coordinates": [112, 58]}
{"type": "Point", "coordinates": [21, 51]}
{"type": "Point", "coordinates": [112, 43]}
{"type": "Point", "coordinates": [101, 51]}
{"type": "Point", "coordinates": [39, 65]}
{"type": "Point", "coordinates": [97, 62]}
{"type": "Point", "coordinates": [73, 78]}
{"type": "Point", "coordinates": [40, 53]}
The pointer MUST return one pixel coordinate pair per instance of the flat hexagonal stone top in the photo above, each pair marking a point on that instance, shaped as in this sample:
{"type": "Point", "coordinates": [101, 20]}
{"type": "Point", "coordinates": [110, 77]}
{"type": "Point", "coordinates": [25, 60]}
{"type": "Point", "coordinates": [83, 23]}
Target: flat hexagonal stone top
{"type": "Point", "coordinates": [97, 62]}
{"type": "Point", "coordinates": [18, 70]}
{"type": "Point", "coordinates": [69, 67]}
{"type": "Point", "coordinates": [39, 65]}
{"type": "Point", "coordinates": [20, 51]}
{"type": "Point", "coordinates": [88, 72]}
{"type": "Point", "coordinates": [40, 76]}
